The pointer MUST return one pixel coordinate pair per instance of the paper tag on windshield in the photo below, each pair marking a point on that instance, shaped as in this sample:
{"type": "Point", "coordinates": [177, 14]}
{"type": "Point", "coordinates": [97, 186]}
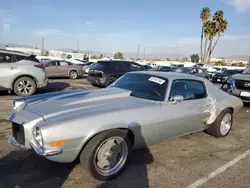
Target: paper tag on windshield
{"type": "Point", "coordinates": [156, 80]}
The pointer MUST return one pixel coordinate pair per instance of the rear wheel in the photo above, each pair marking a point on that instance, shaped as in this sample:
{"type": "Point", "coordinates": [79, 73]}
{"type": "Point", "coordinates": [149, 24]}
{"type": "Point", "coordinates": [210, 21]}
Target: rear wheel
{"type": "Point", "coordinates": [24, 86]}
{"type": "Point", "coordinates": [110, 80]}
{"type": "Point", "coordinates": [106, 154]}
{"type": "Point", "coordinates": [222, 125]}
{"type": "Point", "coordinates": [73, 75]}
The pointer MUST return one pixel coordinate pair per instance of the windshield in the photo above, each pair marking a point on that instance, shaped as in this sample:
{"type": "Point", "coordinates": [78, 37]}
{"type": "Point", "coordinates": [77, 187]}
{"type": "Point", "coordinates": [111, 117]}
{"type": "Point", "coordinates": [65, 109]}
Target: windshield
{"type": "Point", "coordinates": [247, 70]}
{"type": "Point", "coordinates": [144, 86]}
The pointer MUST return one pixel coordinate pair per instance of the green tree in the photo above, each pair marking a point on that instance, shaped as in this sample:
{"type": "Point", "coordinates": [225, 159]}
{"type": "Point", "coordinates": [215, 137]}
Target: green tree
{"type": "Point", "coordinates": [168, 59]}
{"type": "Point", "coordinates": [240, 64]}
{"type": "Point", "coordinates": [194, 58]}
{"type": "Point", "coordinates": [94, 57]}
{"type": "Point", "coordinates": [204, 15]}
{"type": "Point", "coordinates": [118, 55]}
{"type": "Point", "coordinates": [213, 28]}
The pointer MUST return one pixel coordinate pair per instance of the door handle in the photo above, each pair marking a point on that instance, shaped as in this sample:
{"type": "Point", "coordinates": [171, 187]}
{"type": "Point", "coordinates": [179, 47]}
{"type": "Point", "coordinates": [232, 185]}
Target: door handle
{"type": "Point", "coordinates": [13, 68]}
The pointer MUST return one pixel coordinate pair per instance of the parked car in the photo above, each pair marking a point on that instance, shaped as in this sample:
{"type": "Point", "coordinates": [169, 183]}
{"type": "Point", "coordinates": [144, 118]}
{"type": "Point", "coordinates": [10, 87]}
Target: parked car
{"type": "Point", "coordinates": [162, 68]}
{"type": "Point", "coordinates": [61, 68]}
{"type": "Point", "coordinates": [21, 73]}
{"type": "Point", "coordinates": [239, 85]}
{"type": "Point", "coordinates": [147, 67]}
{"type": "Point", "coordinates": [103, 126]}
{"type": "Point", "coordinates": [86, 66]}
{"type": "Point", "coordinates": [104, 73]}
{"type": "Point", "coordinates": [196, 71]}
{"type": "Point", "coordinates": [86, 69]}
{"type": "Point", "coordinates": [220, 69]}
{"type": "Point", "coordinates": [223, 76]}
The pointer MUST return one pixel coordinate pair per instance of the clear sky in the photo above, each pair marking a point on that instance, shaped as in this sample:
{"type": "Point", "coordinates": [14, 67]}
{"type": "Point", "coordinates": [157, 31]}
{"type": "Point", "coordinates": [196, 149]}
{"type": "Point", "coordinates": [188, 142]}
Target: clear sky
{"type": "Point", "coordinates": [171, 26]}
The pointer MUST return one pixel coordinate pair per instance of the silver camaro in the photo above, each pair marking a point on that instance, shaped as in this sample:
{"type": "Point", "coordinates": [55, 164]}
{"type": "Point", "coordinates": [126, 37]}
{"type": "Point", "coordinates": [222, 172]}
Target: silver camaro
{"type": "Point", "coordinates": [103, 126]}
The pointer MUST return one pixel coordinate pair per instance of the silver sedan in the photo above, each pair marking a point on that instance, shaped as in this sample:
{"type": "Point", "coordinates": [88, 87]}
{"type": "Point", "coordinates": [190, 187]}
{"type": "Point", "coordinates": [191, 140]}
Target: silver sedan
{"type": "Point", "coordinates": [103, 126]}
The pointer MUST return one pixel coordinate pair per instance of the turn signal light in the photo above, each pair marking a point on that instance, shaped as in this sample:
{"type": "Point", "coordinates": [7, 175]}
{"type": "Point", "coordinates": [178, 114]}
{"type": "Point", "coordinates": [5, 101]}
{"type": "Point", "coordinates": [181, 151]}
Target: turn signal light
{"type": "Point", "coordinates": [58, 143]}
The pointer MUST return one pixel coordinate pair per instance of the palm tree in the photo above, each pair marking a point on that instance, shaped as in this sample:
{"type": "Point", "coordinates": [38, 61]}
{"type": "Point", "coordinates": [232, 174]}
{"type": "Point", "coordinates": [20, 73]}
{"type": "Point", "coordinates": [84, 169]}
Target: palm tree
{"type": "Point", "coordinates": [211, 35]}
{"type": "Point", "coordinates": [207, 37]}
{"type": "Point", "coordinates": [219, 27]}
{"type": "Point", "coordinates": [204, 15]}
{"type": "Point", "coordinates": [220, 31]}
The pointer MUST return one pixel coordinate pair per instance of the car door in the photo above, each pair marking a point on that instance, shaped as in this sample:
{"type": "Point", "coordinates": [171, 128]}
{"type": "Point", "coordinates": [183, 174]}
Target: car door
{"type": "Point", "coordinates": [8, 69]}
{"type": "Point", "coordinates": [189, 115]}
{"type": "Point", "coordinates": [120, 68]}
{"type": "Point", "coordinates": [63, 68]}
{"type": "Point", "coordinates": [51, 68]}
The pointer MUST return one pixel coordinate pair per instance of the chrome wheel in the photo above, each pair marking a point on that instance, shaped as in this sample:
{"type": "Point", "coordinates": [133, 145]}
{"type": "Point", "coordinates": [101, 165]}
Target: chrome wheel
{"type": "Point", "coordinates": [25, 87]}
{"type": "Point", "coordinates": [226, 124]}
{"type": "Point", "coordinates": [73, 74]}
{"type": "Point", "coordinates": [111, 156]}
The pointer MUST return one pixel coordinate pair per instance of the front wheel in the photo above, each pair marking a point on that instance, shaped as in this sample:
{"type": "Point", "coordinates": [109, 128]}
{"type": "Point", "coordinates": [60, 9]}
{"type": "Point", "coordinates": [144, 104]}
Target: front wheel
{"type": "Point", "coordinates": [106, 154]}
{"type": "Point", "coordinates": [110, 80]}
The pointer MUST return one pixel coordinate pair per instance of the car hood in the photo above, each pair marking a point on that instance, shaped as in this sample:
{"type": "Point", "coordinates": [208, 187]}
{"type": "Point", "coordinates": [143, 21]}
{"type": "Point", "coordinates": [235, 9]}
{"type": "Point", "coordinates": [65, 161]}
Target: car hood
{"type": "Point", "coordinates": [241, 77]}
{"type": "Point", "coordinates": [68, 102]}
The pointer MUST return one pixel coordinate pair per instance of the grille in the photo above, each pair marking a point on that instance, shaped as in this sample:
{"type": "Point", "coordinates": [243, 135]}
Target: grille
{"type": "Point", "coordinates": [18, 133]}
{"type": "Point", "coordinates": [240, 84]}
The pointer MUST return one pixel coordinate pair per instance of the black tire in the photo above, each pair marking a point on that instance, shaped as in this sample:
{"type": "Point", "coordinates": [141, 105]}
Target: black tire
{"type": "Point", "coordinates": [29, 89]}
{"type": "Point", "coordinates": [110, 80]}
{"type": "Point", "coordinates": [214, 129]}
{"type": "Point", "coordinates": [73, 74]}
{"type": "Point", "coordinates": [87, 157]}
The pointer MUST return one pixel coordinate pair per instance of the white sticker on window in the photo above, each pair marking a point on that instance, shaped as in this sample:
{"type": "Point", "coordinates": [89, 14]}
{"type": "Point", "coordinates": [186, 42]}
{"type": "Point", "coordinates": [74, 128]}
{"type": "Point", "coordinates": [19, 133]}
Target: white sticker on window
{"type": "Point", "coordinates": [156, 80]}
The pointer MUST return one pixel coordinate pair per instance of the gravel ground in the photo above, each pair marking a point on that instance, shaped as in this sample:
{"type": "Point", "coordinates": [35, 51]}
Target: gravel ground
{"type": "Point", "coordinates": [176, 163]}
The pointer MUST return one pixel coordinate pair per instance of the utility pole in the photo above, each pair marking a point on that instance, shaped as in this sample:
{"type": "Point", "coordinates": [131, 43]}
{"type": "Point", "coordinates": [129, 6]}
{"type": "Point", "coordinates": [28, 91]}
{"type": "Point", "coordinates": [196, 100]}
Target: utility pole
{"type": "Point", "coordinates": [77, 45]}
{"type": "Point", "coordinates": [249, 61]}
{"type": "Point", "coordinates": [138, 51]}
{"type": "Point", "coordinates": [144, 53]}
{"type": "Point", "coordinates": [42, 51]}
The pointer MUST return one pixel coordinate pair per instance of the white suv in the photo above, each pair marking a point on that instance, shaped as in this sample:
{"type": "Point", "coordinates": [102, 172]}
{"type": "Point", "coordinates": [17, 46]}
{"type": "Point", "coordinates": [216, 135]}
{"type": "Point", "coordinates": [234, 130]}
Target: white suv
{"type": "Point", "coordinates": [21, 73]}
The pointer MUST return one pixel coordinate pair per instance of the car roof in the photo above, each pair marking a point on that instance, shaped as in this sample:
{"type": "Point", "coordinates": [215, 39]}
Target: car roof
{"type": "Point", "coordinates": [13, 52]}
{"type": "Point", "coordinates": [170, 75]}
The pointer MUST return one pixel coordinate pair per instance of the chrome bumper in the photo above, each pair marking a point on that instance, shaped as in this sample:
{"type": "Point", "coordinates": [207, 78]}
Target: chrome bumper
{"type": "Point", "coordinates": [42, 152]}
{"type": "Point", "coordinates": [12, 141]}
{"type": "Point", "coordinates": [36, 147]}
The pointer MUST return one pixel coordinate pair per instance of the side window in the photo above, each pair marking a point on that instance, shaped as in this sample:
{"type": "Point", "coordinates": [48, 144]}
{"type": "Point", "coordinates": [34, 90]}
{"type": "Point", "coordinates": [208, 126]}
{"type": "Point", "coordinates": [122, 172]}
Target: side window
{"type": "Point", "coordinates": [135, 67]}
{"type": "Point", "coordinates": [118, 66]}
{"type": "Point", "coordinates": [6, 58]}
{"type": "Point", "coordinates": [19, 57]}
{"type": "Point", "coordinates": [189, 89]}
{"type": "Point", "coordinates": [200, 71]}
{"type": "Point", "coordinates": [63, 63]}
{"type": "Point", "coordinates": [53, 63]}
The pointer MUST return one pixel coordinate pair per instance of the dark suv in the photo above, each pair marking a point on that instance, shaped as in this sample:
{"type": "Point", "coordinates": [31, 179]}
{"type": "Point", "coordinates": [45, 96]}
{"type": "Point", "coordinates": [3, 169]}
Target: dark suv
{"type": "Point", "coordinates": [104, 73]}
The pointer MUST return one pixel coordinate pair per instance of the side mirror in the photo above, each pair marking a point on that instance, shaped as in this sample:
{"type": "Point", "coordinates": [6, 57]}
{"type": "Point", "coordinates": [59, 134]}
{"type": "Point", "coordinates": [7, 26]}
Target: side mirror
{"type": "Point", "coordinates": [177, 98]}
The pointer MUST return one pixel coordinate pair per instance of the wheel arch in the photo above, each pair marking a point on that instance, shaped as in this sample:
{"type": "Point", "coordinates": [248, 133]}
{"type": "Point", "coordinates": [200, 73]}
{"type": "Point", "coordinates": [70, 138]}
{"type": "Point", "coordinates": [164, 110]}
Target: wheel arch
{"type": "Point", "coordinates": [130, 134]}
{"type": "Point", "coordinates": [20, 76]}
{"type": "Point", "coordinates": [72, 70]}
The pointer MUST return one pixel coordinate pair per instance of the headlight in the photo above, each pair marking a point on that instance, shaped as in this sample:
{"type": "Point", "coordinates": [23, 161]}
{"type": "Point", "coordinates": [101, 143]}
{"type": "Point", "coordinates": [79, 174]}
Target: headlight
{"type": "Point", "coordinates": [37, 134]}
{"type": "Point", "coordinates": [231, 82]}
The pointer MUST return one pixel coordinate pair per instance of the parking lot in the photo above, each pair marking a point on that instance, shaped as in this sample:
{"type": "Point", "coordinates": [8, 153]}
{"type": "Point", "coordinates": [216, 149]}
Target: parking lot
{"type": "Point", "coordinates": [190, 161]}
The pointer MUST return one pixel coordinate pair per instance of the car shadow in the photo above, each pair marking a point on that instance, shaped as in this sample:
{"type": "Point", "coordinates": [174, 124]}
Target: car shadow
{"type": "Point", "coordinates": [23, 168]}
{"type": "Point", "coordinates": [136, 172]}
{"type": "Point", "coordinates": [53, 87]}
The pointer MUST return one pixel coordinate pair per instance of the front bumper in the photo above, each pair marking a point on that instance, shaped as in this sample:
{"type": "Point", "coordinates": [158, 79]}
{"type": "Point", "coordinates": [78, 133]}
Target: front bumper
{"type": "Point", "coordinates": [42, 152]}
{"type": "Point", "coordinates": [35, 146]}
{"type": "Point", "coordinates": [96, 80]}
{"type": "Point", "coordinates": [238, 93]}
